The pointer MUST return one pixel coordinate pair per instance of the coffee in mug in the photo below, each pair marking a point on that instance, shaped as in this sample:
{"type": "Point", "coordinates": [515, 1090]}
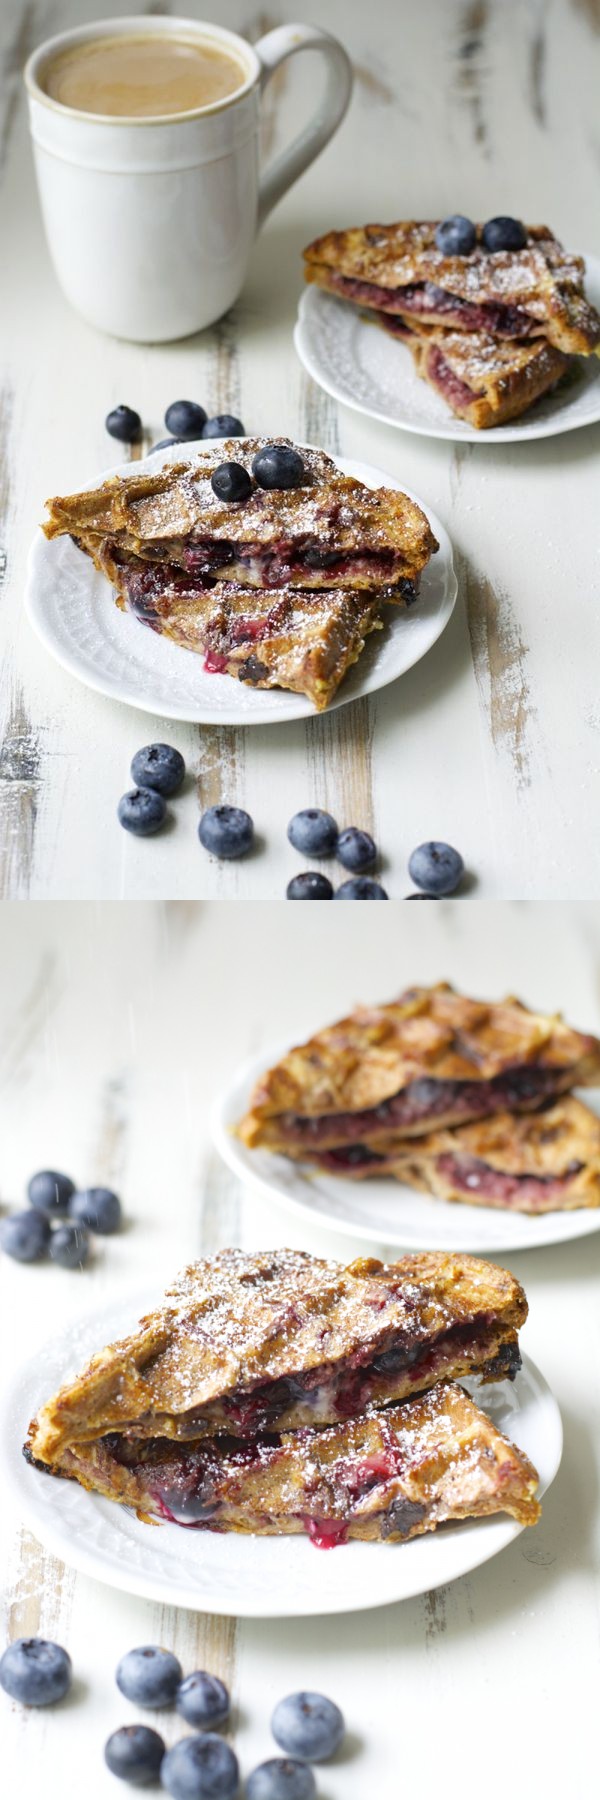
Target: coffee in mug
{"type": "Point", "coordinates": [142, 76]}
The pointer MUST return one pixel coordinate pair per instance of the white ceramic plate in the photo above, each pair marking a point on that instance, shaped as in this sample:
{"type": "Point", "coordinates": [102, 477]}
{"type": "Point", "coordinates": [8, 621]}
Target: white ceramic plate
{"type": "Point", "coordinates": [71, 607]}
{"type": "Point", "coordinates": [383, 1211]}
{"type": "Point", "coordinates": [357, 362]}
{"type": "Point", "coordinates": [245, 1576]}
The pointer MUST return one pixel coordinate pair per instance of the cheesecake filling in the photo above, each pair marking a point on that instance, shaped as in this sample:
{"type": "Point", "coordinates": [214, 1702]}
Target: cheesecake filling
{"type": "Point", "coordinates": [477, 1177]}
{"type": "Point", "coordinates": [421, 1104]}
{"type": "Point", "coordinates": [425, 300]}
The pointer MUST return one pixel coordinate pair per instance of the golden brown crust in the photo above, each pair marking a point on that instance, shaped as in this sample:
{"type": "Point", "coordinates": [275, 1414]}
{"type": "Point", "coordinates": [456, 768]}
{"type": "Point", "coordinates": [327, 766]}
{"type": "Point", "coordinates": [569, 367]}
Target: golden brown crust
{"type": "Point", "coordinates": [501, 378]}
{"type": "Point", "coordinates": [386, 1477]}
{"type": "Point", "coordinates": [235, 1324]}
{"type": "Point", "coordinates": [543, 279]}
{"type": "Point", "coordinates": [380, 535]}
{"type": "Point", "coordinates": [433, 1034]}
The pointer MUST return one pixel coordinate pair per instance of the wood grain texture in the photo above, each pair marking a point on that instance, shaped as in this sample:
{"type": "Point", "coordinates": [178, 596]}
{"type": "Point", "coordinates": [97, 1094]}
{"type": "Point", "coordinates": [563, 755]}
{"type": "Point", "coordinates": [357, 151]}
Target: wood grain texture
{"type": "Point", "coordinates": [118, 1025]}
{"type": "Point", "coordinates": [493, 741]}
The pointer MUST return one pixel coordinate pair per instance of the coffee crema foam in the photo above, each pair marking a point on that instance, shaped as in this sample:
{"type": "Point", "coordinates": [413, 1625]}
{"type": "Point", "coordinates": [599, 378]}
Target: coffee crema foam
{"type": "Point", "coordinates": [152, 76]}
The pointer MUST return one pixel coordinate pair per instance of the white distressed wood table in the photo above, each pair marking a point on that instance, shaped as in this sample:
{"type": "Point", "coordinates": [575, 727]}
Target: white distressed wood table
{"type": "Point", "coordinates": [118, 1025]}
{"type": "Point", "coordinates": [493, 741]}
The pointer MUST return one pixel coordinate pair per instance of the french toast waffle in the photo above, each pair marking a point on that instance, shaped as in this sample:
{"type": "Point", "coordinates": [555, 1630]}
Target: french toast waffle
{"type": "Point", "coordinates": [541, 1162]}
{"type": "Point", "coordinates": [431, 1059]}
{"type": "Point", "coordinates": [276, 1341]}
{"type": "Point", "coordinates": [386, 1477]}
{"type": "Point", "coordinates": [331, 531]}
{"type": "Point", "coordinates": [485, 380]}
{"type": "Point", "coordinates": [533, 292]}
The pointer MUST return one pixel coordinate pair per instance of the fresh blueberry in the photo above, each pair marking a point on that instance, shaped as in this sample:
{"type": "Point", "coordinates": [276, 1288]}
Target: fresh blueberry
{"type": "Point", "coordinates": [226, 831]}
{"type": "Point", "coordinates": [309, 885]}
{"type": "Point", "coordinates": [25, 1235]}
{"type": "Point", "coordinates": [141, 811]}
{"type": "Point", "coordinates": [224, 425]}
{"type": "Point", "coordinates": [308, 1725]}
{"type": "Point", "coordinates": [185, 419]}
{"type": "Point", "coordinates": [160, 767]}
{"type": "Point", "coordinates": [283, 1778]}
{"type": "Point", "coordinates": [125, 424]}
{"type": "Point", "coordinates": [150, 1676]}
{"type": "Point", "coordinates": [98, 1208]}
{"type": "Point", "coordinates": [456, 236]}
{"type": "Point", "coordinates": [50, 1192]}
{"type": "Point", "coordinates": [313, 832]}
{"type": "Point", "coordinates": [278, 466]}
{"type": "Point", "coordinates": [361, 887]}
{"type": "Point", "coordinates": [203, 1700]}
{"type": "Point", "coordinates": [70, 1246]}
{"type": "Point", "coordinates": [163, 444]}
{"type": "Point", "coordinates": [135, 1754]}
{"type": "Point", "coordinates": [436, 868]}
{"type": "Point", "coordinates": [420, 896]}
{"type": "Point", "coordinates": [200, 1768]}
{"type": "Point", "coordinates": [231, 482]}
{"type": "Point", "coordinates": [35, 1671]}
{"type": "Point", "coordinates": [504, 234]}
{"type": "Point", "coordinates": [356, 849]}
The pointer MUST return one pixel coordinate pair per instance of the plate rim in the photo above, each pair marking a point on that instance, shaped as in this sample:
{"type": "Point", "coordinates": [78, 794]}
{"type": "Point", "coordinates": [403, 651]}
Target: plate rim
{"type": "Point", "coordinates": [157, 1588]}
{"type": "Point", "coordinates": [454, 430]}
{"type": "Point", "coordinates": [299, 705]}
{"type": "Point", "coordinates": [235, 1159]}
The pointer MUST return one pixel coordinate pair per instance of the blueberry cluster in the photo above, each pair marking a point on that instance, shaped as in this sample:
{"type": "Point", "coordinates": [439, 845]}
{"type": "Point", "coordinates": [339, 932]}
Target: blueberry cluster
{"type": "Point", "coordinates": [58, 1221]}
{"type": "Point", "coordinates": [457, 236]}
{"type": "Point", "coordinates": [306, 1726]}
{"type": "Point", "coordinates": [158, 771]}
{"type": "Point", "coordinates": [435, 868]}
{"type": "Point", "coordinates": [185, 421]}
{"type": "Point", "coordinates": [275, 466]}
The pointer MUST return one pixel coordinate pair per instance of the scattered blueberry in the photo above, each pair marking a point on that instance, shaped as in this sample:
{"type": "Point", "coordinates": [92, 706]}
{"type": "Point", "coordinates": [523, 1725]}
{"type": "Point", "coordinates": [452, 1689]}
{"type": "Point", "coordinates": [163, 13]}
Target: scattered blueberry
{"type": "Point", "coordinates": [308, 1725]}
{"type": "Point", "coordinates": [223, 425]}
{"type": "Point", "coordinates": [25, 1235]}
{"type": "Point", "coordinates": [226, 831]}
{"type": "Point", "coordinates": [125, 424]}
{"type": "Point", "coordinates": [50, 1192]}
{"type": "Point", "coordinates": [309, 885]}
{"type": "Point", "coordinates": [200, 1768]}
{"type": "Point", "coordinates": [356, 849]}
{"type": "Point", "coordinates": [35, 1671]}
{"type": "Point", "coordinates": [203, 1700]}
{"type": "Point", "coordinates": [70, 1246]}
{"type": "Point", "coordinates": [141, 811]}
{"type": "Point", "coordinates": [361, 887]}
{"type": "Point", "coordinates": [185, 419]}
{"type": "Point", "coordinates": [436, 868]}
{"type": "Point", "coordinates": [158, 766]}
{"type": "Point", "coordinates": [278, 466]}
{"type": "Point", "coordinates": [504, 234]}
{"type": "Point", "coordinates": [135, 1754]}
{"type": "Point", "coordinates": [283, 1778]}
{"type": "Point", "coordinates": [420, 896]}
{"type": "Point", "coordinates": [163, 444]}
{"type": "Point", "coordinates": [98, 1209]}
{"type": "Point", "coordinates": [150, 1676]}
{"type": "Point", "coordinates": [231, 482]}
{"type": "Point", "coordinates": [313, 832]}
{"type": "Point", "coordinates": [456, 236]}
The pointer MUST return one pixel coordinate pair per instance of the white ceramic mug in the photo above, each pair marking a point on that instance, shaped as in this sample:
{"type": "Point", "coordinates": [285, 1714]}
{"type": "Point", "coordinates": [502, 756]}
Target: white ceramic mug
{"type": "Point", "coordinates": [150, 223]}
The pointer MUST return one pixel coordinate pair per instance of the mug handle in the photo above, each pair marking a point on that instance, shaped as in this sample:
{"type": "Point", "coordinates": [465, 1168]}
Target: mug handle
{"type": "Point", "coordinates": [272, 50]}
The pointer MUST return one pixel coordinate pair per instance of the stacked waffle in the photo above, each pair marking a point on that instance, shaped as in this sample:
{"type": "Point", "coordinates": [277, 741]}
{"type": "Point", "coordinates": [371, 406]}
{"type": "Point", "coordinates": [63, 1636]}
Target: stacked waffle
{"type": "Point", "coordinates": [491, 331]}
{"type": "Point", "coordinates": [276, 1393]}
{"type": "Point", "coordinates": [467, 1100]}
{"type": "Point", "coordinates": [278, 589]}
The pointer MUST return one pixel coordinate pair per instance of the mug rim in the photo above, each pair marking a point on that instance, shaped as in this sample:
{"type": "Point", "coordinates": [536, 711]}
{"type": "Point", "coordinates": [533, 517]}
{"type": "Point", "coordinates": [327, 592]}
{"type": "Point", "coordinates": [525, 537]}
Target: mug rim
{"type": "Point", "coordinates": [136, 25]}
